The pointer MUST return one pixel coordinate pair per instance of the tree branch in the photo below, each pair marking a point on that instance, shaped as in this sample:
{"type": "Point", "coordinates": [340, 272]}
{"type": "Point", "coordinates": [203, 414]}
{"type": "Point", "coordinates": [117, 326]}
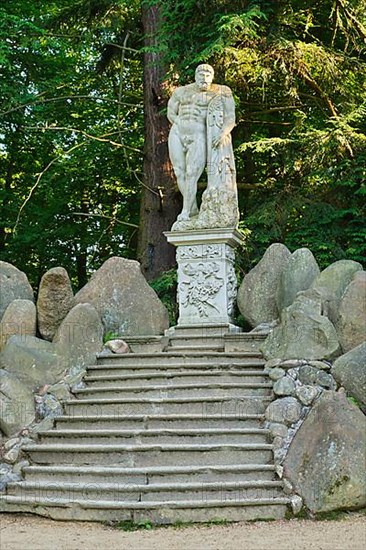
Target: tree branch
{"type": "Point", "coordinates": [111, 218]}
{"type": "Point", "coordinates": [62, 98]}
{"type": "Point", "coordinates": [85, 134]}
{"type": "Point", "coordinates": [40, 175]}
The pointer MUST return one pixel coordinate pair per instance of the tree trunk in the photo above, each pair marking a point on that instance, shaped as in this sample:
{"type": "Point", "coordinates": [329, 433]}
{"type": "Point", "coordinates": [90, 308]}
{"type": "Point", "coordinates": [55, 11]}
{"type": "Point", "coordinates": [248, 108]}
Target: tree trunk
{"type": "Point", "coordinates": [160, 199]}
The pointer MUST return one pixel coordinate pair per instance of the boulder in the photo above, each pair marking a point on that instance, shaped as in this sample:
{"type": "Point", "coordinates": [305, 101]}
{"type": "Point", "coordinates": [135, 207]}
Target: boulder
{"type": "Point", "coordinates": [125, 302]}
{"type": "Point", "coordinates": [331, 284]}
{"type": "Point", "coordinates": [34, 361]}
{"type": "Point", "coordinates": [14, 285]}
{"type": "Point", "coordinates": [325, 461]}
{"type": "Point", "coordinates": [286, 410]}
{"type": "Point", "coordinates": [303, 333]}
{"type": "Point", "coordinates": [17, 408]}
{"type": "Point", "coordinates": [55, 299]}
{"type": "Point", "coordinates": [257, 293]}
{"type": "Point", "coordinates": [284, 386]}
{"type": "Point", "coordinates": [118, 346]}
{"type": "Point", "coordinates": [20, 318]}
{"type": "Point", "coordinates": [351, 321]}
{"type": "Point", "coordinates": [79, 337]}
{"type": "Point", "coordinates": [312, 376]}
{"type": "Point", "coordinates": [299, 274]}
{"type": "Point", "coordinates": [306, 394]}
{"type": "Point", "coordinates": [350, 371]}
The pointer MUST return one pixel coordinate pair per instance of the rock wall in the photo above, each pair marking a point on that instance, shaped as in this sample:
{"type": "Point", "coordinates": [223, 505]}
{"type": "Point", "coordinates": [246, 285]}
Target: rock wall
{"type": "Point", "coordinates": [316, 357]}
{"type": "Point", "coordinates": [39, 369]}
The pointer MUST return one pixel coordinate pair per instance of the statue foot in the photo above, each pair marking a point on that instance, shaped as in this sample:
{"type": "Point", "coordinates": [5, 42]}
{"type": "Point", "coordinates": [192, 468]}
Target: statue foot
{"type": "Point", "coordinates": [183, 217]}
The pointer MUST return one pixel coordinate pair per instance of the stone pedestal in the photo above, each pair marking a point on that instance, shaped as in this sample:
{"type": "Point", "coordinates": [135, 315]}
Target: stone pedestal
{"type": "Point", "coordinates": [207, 284]}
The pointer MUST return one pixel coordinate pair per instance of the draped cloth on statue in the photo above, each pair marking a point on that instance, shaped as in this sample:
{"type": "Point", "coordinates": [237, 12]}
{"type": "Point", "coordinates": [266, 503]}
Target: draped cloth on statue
{"type": "Point", "coordinates": [220, 160]}
{"type": "Point", "coordinates": [219, 206]}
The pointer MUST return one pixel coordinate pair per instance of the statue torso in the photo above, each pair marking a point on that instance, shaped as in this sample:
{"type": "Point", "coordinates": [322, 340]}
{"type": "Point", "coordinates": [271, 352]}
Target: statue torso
{"type": "Point", "coordinates": [193, 105]}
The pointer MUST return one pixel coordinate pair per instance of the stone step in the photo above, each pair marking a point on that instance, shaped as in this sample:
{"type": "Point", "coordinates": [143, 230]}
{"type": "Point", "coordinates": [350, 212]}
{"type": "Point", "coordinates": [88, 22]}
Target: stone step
{"type": "Point", "coordinates": [217, 330]}
{"type": "Point", "coordinates": [176, 405]}
{"type": "Point", "coordinates": [212, 341]}
{"type": "Point", "coordinates": [151, 475]}
{"type": "Point", "coordinates": [172, 378]}
{"type": "Point", "coordinates": [173, 421]}
{"type": "Point", "coordinates": [132, 492]}
{"type": "Point", "coordinates": [142, 437]}
{"type": "Point", "coordinates": [149, 455]}
{"type": "Point", "coordinates": [169, 358]}
{"type": "Point", "coordinates": [178, 368]}
{"type": "Point", "coordinates": [249, 341]}
{"type": "Point", "coordinates": [155, 512]}
{"type": "Point", "coordinates": [197, 347]}
{"type": "Point", "coordinates": [179, 390]}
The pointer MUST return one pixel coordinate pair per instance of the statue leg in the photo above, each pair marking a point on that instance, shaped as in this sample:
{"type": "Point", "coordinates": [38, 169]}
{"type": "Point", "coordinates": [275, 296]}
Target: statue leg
{"type": "Point", "coordinates": [195, 164]}
{"type": "Point", "coordinates": [178, 159]}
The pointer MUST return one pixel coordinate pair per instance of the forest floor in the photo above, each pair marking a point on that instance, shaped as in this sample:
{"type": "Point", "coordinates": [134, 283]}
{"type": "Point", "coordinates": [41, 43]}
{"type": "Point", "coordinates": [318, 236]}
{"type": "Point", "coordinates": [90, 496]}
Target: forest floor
{"type": "Point", "coordinates": [19, 532]}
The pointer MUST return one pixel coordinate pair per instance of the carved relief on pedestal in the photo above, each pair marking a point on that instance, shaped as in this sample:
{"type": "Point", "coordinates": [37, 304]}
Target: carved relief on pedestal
{"type": "Point", "coordinates": [195, 252]}
{"type": "Point", "coordinates": [189, 252]}
{"type": "Point", "coordinates": [232, 285]}
{"type": "Point", "coordinates": [202, 288]}
{"type": "Point", "coordinates": [230, 254]}
{"type": "Point", "coordinates": [212, 250]}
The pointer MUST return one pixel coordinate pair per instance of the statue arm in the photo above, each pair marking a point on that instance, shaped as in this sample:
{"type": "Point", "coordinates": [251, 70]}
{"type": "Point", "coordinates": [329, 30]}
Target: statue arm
{"type": "Point", "coordinates": [229, 118]}
{"type": "Point", "coordinates": [173, 108]}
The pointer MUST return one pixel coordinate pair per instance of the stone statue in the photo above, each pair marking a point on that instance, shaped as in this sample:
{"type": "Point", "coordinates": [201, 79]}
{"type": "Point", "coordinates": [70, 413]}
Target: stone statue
{"type": "Point", "coordinates": [202, 116]}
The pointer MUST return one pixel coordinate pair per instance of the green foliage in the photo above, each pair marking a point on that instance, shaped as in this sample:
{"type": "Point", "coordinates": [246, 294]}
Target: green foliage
{"type": "Point", "coordinates": [129, 525]}
{"type": "Point", "coordinates": [298, 74]}
{"type": "Point", "coordinates": [72, 124]}
{"type": "Point", "coordinates": [71, 140]}
{"type": "Point", "coordinates": [110, 335]}
{"type": "Point", "coordinates": [166, 288]}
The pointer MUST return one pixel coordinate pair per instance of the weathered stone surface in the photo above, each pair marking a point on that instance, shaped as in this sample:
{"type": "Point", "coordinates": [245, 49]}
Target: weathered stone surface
{"type": "Point", "coordinates": [331, 284]}
{"type": "Point", "coordinates": [320, 364]}
{"type": "Point", "coordinates": [55, 299]}
{"type": "Point", "coordinates": [60, 390]}
{"type": "Point", "coordinates": [7, 475]}
{"type": "Point", "coordinates": [277, 430]}
{"type": "Point", "coordinates": [34, 361]}
{"type": "Point", "coordinates": [291, 363]}
{"type": "Point", "coordinates": [257, 293]}
{"type": "Point", "coordinates": [79, 337]}
{"type": "Point", "coordinates": [351, 321]}
{"type": "Point", "coordinates": [16, 404]}
{"type": "Point", "coordinates": [284, 411]}
{"type": "Point", "coordinates": [325, 380]}
{"type": "Point", "coordinates": [284, 386]}
{"type": "Point", "coordinates": [307, 394]}
{"type": "Point", "coordinates": [308, 375]}
{"type": "Point", "coordinates": [303, 332]}
{"type": "Point", "coordinates": [48, 406]}
{"type": "Point", "coordinates": [14, 285]}
{"type": "Point", "coordinates": [117, 346]}
{"type": "Point", "coordinates": [325, 461]}
{"type": "Point", "coordinates": [20, 318]}
{"type": "Point", "coordinates": [124, 300]}
{"type": "Point", "coordinates": [299, 274]}
{"type": "Point", "coordinates": [350, 371]}
{"type": "Point", "coordinates": [296, 504]}
{"type": "Point", "coordinates": [276, 373]}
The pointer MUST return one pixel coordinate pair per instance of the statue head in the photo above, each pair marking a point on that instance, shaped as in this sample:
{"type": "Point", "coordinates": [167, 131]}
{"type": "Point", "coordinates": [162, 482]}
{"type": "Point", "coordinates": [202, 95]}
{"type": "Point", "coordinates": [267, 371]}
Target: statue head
{"type": "Point", "coordinates": [204, 76]}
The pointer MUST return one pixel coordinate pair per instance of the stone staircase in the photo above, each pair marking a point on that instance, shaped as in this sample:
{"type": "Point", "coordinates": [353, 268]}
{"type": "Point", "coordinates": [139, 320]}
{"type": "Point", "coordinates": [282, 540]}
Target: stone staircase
{"type": "Point", "coordinates": [164, 436]}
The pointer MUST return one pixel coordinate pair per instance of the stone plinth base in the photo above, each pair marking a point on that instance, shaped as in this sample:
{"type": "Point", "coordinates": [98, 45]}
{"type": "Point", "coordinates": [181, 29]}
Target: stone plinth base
{"type": "Point", "coordinates": [207, 284]}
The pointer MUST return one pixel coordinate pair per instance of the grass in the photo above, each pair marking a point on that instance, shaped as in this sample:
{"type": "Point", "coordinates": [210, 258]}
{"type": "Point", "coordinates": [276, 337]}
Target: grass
{"type": "Point", "coordinates": [146, 525]}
